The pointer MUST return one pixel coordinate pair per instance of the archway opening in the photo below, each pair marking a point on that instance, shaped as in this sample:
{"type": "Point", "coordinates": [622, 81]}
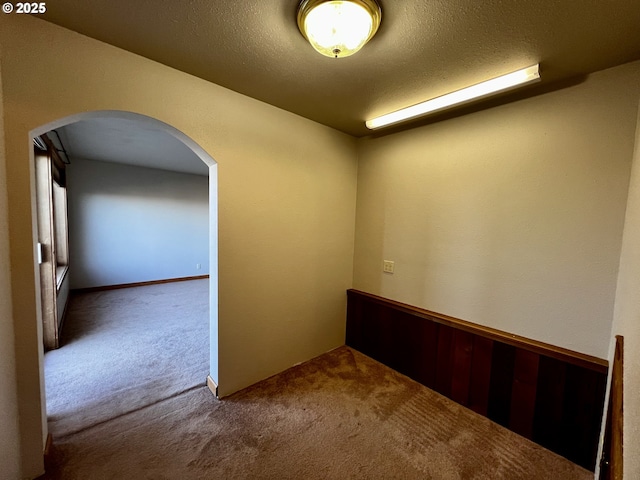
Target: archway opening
{"type": "Point", "coordinates": [150, 129]}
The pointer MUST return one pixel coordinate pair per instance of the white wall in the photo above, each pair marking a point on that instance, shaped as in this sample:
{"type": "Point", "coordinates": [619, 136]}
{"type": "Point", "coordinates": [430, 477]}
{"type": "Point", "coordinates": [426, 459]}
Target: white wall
{"type": "Point", "coordinates": [509, 217]}
{"type": "Point", "coordinates": [9, 436]}
{"type": "Point", "coordinates": [130, 224]}
{"type": "Point", "coordinates": [286, 201]}
{"type": "Point", "coordinates": [627, 317]}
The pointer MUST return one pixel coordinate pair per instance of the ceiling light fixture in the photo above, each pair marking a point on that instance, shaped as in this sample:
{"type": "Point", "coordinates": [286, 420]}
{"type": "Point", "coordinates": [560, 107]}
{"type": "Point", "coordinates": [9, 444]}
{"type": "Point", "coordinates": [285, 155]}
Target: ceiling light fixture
{"type": "Point", "coordinates": [480, 90]}
{"type": "Point", "coordinates": [338, 28]}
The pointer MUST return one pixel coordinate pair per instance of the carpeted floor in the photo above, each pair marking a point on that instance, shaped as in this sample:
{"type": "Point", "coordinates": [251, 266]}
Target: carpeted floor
{"type": "Point", "coordinates": [125, 349]}
{"type": "Point", "coordinates": [340, 415]}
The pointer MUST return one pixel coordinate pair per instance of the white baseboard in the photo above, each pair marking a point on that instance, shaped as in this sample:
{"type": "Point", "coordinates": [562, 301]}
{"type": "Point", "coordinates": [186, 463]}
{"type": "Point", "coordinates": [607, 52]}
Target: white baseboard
{"type": "Point", "coordinates": [212, 386]}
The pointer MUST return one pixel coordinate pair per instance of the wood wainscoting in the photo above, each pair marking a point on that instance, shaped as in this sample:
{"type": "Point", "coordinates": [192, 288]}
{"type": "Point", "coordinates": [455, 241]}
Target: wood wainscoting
{"type": "Point", "coordinates": [548, 394]}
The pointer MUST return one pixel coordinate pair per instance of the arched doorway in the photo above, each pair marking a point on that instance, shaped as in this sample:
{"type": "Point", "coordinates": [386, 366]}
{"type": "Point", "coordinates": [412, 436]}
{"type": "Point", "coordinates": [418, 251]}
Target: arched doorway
{"type": "Point", "coordinates": [148, 123]}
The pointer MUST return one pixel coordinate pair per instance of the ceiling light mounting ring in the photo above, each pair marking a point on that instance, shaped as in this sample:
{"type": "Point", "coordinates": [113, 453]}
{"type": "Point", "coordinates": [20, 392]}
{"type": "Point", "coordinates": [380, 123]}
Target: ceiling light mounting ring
{"type": "Point", "coordinates": [338, 28]}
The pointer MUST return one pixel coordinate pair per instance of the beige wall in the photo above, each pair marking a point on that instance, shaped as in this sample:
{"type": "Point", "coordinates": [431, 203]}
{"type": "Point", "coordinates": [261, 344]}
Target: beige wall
{"type": "Point", "coordinates": [627, 317]}
{"type": "Point", "coordinates": [287, 191]}
{"type": "Point", "coordinates": [9, 438]}
{"type": "Point", "coordinates": [510, 217]}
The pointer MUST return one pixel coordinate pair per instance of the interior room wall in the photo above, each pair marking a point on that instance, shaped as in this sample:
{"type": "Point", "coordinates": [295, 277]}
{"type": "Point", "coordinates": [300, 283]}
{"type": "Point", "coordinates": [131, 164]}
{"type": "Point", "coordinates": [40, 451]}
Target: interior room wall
{"type": "Point", "coordinates": [627, 317]}
{"type": "Point", "coordinates": [509, 217]}
{"type": "Point", "coordinates": [286, 195]}
{"type": "Point", "coordinates": [9, 436]}
{"type": "Point", "coordinates": [130, 224]}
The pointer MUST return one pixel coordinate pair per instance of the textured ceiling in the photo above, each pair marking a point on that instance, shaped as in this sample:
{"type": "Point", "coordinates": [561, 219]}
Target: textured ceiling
{"type": "Point", "coordinates": [423, 48]}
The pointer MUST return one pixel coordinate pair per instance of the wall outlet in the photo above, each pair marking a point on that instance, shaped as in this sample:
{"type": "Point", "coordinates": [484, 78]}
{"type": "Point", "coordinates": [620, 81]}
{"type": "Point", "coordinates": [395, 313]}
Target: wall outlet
{"type": "Point", "coordinates": [198, 266]}
{"type": "Point", "coordinates": [387, 266]}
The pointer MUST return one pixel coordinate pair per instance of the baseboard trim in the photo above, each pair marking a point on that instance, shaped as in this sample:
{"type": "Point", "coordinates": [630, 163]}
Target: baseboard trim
{"type": "Point", "coordinates": [212, 386]}
{"type": "Point", "coordinates": [137, 284]}
{"type": "Point", "coordinates": [48, 445]}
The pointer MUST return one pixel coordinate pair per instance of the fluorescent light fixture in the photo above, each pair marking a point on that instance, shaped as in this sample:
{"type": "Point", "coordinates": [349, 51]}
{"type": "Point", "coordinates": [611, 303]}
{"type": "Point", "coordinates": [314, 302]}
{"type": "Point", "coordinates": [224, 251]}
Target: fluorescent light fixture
{"type": "Point", "coordinates": [480, 90]}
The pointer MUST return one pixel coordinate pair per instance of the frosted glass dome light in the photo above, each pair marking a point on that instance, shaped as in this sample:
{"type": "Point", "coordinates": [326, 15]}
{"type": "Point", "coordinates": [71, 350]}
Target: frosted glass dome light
{"type": "Point", "coordinates": [338, 28]}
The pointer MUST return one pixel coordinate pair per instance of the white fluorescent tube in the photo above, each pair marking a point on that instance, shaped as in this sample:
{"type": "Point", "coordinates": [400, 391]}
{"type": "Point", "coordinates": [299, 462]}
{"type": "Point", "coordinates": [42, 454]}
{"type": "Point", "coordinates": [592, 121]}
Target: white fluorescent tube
{"type": "Point", "coordinates": [459, 97]}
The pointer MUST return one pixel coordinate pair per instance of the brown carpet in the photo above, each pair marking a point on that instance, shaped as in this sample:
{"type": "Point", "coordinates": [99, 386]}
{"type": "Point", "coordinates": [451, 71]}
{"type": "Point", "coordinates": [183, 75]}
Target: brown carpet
{"type": "Point", "coordinates": [341, 415]}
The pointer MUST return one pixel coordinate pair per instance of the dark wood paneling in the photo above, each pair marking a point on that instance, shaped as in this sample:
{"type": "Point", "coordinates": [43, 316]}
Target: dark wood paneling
{"type": "Point", "coordinates": [501, 384]}
{"type": "Point", "coordinates": [427, 361]}
{"type": "Point", "coordinates": [546, 393]}
{"type": "Point", "coordinates": [444, 365]}
{"type": "Point", "coordinates": [549, 403]}
{"type": "Point", "coordinates": [582, 414]}
{"type": "Point", "coordinates": [405, 344]}
{"type": "Point", "coordinates": [480, 381]}
{"type": "Point", "coordinates": [461, 372]}
{"type": "Point", "coordinates": [355, 329]}
{"type": "Point", "coordinates": [523, 393]}
{"type": "Point", "coordinates": [384, 342]}
{"type": "Point", "coordinates": [370, 332]}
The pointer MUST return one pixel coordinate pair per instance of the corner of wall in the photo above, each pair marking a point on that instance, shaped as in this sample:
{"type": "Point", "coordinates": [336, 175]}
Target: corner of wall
{"type": "Point", "coordinates": [9, 433]}
{"type": "Point", "coordinates": [626, 319]}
